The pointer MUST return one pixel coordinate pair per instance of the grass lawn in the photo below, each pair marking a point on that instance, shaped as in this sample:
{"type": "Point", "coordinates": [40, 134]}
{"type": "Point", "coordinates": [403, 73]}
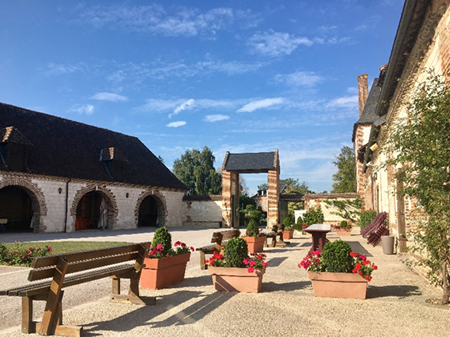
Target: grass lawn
{"type": "Point", "coordinates": [61, 247]}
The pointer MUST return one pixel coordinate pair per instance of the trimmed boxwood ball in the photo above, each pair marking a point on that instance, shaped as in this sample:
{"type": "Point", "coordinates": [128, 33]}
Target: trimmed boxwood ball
{"type": "Point", "coordinates": [235, 252]}
{"type": "Point", "coordinates": [336, 257]}
{"type": "Point", "coordinates": [162, 236]}
{"type": "Point", "coordinates": [252, 228]}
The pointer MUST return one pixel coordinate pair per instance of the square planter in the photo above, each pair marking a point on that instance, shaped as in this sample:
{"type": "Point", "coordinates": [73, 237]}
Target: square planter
{"type": "Point", "coordinates": [160, 273]}
{"type": "Point", "coordinates": [288, 234]}
{"type": "Point", "coordinates": [340, 285]}
{"type": "Point", "coordinates": [343, 231]}
{"type": "Point", "coordinates": [255, 245]}
{"type": "Point", "coordinates": [236, 279]}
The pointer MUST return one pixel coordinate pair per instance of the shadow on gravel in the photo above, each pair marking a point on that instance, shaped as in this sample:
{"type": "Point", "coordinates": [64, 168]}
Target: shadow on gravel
{"type": "Point", "coordinates": [197, 281]}
{"type": "Point", "coordinates": [276, 261]}
{"type": "Point", "coordinates": [398, 291]}
{"type": "Point", "coordinates": [143, 314]}
{"type": "Point", "coordinates": [288, 286]}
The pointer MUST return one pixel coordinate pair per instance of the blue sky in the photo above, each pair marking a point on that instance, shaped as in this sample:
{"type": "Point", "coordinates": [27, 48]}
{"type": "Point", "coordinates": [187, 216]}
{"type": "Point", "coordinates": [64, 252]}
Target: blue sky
{"type": "Point", "coordinates": [239, 76]}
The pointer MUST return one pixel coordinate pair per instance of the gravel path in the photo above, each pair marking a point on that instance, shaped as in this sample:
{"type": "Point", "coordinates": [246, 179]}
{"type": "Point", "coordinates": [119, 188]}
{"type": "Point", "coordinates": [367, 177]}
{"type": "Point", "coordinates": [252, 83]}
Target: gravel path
{"type": "Point", "coordinates": [395, 305]}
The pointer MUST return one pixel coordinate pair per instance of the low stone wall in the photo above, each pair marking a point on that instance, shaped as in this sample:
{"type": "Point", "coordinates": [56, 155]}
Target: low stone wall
{"type": "Point", "coordinates": [203, 211]}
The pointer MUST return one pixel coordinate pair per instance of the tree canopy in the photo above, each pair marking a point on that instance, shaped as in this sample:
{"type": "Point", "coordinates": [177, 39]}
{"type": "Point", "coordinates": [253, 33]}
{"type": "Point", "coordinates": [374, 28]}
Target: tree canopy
{"type": "Point", "coordinates": [344, 178]}
{"type": "Point", "coordinates": [196, 170]}
{"type": "Point", "coordinates": [421, 144]}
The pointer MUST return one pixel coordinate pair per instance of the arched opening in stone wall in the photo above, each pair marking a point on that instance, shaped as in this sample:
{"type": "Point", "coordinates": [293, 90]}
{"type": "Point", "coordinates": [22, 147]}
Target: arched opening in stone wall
{"type": "Point", "coordinates": [93, 211]}
{"type": "Point", "coordinates": [151, 212]}
{"type": "Point", "coordinates": [16, 209]}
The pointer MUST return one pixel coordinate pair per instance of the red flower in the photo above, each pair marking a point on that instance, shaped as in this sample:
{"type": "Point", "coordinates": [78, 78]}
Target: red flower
{"type": "Point", "coordinates": [354, 254]}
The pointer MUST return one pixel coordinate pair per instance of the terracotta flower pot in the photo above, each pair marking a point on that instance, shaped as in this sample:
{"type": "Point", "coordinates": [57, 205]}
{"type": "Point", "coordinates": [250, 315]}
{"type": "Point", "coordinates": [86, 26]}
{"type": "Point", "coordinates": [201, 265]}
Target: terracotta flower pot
{"type": "Point", "coordinates": [340, 285]}
{"type": "Point", "coordinates": [236, 279]}
{"type": "Point", "coordinates": [255, 245]}
{"type": "Point", "coordinates": [344, 231]}
{"type": "Point", "coordinates": [160, 273]}
{"type": "Point", "coordinates": [289, 234]}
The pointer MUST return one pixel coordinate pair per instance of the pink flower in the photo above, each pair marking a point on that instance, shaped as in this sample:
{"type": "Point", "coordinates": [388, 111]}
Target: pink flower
{"type": "Point", "coordinates": [317, 252]}
{"type": "Point", "coordinates": [250, 270]}
{"type": "Point", "coordinates": [159, 246]}
{"type": "Point", "coordinates": [245, 261]}
{"type": "Point", "coordinates": [362, 257]}
{"type": "Point", "coordinates": [265, 264]}
{"type": "Point", "coordinates": [192, 248]}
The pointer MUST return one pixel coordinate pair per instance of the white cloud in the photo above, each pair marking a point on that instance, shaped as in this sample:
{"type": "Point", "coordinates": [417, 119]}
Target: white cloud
{"type": "Point", "coordinates": [261, 104]}
{"type": "Point", "coordinates": [109, 96]}
{"type": "Point", "coordinates": [299, 79]}
{"type": "Point", "coordinates": [61, 69]}
{"type": "Point", "coordinates": [176, 124]}
{"type": "Point", "coordinates": [276, 43]}
{"type": "Point", "coordinates": [185, 105]}
{"type": "Point", "coordinates": [349, 102]}
{"type": "Point", "coordinates": [87, 109]}
{"type": "Point", "coordinates": [215, 118]}
{"type": "Point", "coordinates": [160, 105]}
{"type": "Point", "coordinates": [155, 19]}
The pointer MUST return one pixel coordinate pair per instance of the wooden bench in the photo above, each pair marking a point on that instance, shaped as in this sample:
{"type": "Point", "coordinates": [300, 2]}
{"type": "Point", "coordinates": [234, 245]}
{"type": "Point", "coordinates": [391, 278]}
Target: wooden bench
{"type": "Point", "coordinates": [75, 268]}
{"type": "Point", "coordinates": [218, 241]}
{"type": "Point", "coordinates": [277, 231]}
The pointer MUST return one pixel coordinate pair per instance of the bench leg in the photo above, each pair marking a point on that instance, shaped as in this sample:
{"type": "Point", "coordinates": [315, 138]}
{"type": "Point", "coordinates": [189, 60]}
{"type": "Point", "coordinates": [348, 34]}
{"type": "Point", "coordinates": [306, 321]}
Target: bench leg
{"type": "Point", "coordinates": [202, 261]}
{"type": "Point", "coordinates": [27, 315]}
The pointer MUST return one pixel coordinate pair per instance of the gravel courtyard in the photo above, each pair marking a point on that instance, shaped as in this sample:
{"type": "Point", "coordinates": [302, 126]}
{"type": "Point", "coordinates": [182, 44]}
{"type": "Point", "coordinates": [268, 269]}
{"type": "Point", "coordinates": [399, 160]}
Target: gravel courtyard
{"type": "Point", "coordinates": [396, 303]}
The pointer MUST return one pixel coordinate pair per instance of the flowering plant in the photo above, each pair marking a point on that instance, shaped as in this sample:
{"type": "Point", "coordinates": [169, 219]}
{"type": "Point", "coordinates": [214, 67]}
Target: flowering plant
{"type": "Point", "coordinates": [252, 262]}
{"type": "Point", "coordinates": [343, 225]}
{"type": "Point", "coordinates": [21, 256]}
{"type": "Point", "coordinates": [313, 261]}
{"type": "Point", "coordinates": [158, 252]}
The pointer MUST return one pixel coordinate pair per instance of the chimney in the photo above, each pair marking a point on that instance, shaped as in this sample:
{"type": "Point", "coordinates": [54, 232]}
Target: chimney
{"type": "Point", "coordinates": [363, 92]}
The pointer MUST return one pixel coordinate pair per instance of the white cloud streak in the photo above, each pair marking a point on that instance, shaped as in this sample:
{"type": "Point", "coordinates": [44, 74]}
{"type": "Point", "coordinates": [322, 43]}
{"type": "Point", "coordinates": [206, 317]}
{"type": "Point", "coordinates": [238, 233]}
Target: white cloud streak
{"type": "Point", "coordinates": [299, 79]}
{"type": "Point", "coordinates": [108, 96]}
{"type": "Point", "coordinates": [215, 118]}
{"type": "Point", "coordinates": [348, 102]}
{"type": "Point", "coordinates": [261, 104]}
{"type": "Point", "coordinates": [185, 105]}
{"type": "Point", "coordinates": [176, 124]}
{"type": "Point", "coordinates": [87, 109]}
{"type": "Point", "coordinates": [276, 43]}
{"type": "Point", "coordinates": [155, 19]}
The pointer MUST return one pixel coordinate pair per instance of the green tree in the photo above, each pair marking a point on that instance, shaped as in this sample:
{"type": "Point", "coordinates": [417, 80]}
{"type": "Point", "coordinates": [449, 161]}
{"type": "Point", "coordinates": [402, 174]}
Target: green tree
{"type": "Point", "coordinates": [196, 170]}
{"type": "Point", "coordinates": [345, 180]}
{"type": "Point", "coordinates": [263, 187]}
{"type": "Point", "coordinates": [421, 143]}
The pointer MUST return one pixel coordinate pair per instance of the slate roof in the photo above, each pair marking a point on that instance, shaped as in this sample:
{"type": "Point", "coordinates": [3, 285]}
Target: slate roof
{"type": "Point", "coordinates": [259, 162]}
{"type": "Point", "coordinates": [368, 115]}
{"type": "Point", "coordinates": [65, 148]}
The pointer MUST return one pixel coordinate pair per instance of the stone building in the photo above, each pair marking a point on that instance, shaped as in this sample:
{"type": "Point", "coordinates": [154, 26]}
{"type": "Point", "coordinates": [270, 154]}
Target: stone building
{"type": "Point", "coordinates": [422, 42]}
{"type": "Point", "coordinates": [58, 175]}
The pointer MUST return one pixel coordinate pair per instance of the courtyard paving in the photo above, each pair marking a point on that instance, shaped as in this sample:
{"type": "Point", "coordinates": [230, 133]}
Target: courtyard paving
{"type": "Point", "coordinates": [396, 304]}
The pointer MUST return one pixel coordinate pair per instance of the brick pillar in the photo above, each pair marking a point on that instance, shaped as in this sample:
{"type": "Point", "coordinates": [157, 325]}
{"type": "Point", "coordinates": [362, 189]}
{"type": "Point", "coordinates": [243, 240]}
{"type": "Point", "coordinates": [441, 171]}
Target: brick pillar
{"type": "Point", "coordinates": [230, 188]}
{"type": "Point", "coordinates": [363, 92]}
{"type": "Point", "coordinates": [273, 193]}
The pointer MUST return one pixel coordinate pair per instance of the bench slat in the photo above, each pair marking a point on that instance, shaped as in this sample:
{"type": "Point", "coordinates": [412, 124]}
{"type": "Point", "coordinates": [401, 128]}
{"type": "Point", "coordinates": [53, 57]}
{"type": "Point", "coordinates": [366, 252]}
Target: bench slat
{"type": "Point", "coordinates": [39, 274]}
{"type": "Point", "coordinates": [52, 260]}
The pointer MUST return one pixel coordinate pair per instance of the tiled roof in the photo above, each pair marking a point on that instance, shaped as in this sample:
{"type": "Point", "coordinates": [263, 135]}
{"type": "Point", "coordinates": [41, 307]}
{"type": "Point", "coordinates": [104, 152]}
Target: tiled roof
{"type": "Point", "coordinates": [65, 148]}
{"type": "Point", "coordinates": [368, 115]}
{"type": "Point", "coordinates": [250, 162]}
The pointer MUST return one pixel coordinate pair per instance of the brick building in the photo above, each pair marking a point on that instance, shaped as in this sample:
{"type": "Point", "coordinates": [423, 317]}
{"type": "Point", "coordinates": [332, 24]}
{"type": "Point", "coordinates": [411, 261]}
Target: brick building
{"type": "Point", "coordinates": [422, 42]}
{"type": "Point", "coordinates": [58, 175]}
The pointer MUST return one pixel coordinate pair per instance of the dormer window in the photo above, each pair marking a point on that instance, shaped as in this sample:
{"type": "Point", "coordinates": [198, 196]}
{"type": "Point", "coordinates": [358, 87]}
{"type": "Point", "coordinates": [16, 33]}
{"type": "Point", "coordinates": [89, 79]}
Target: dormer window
{"type": "Point", "coordinates": [114, 162]}
{"type": "Point", "coordinates": [13, 149]}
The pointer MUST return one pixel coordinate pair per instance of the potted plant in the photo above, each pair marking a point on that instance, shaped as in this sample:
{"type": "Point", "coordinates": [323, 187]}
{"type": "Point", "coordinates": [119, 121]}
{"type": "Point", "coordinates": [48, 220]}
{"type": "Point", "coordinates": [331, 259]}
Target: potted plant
{"type": "Point", "coordinates": [288, 232]}
{"type": "Point", "coordinates": [338, 271]}
{"type": "Point", "coordinates": [235, 270]}
{"type": "Point", "coordinates": [164, 265]}
{"type": "Point", "coordinates": [254, 238]}
{"type": "Point", "coordinates": [344, 228]}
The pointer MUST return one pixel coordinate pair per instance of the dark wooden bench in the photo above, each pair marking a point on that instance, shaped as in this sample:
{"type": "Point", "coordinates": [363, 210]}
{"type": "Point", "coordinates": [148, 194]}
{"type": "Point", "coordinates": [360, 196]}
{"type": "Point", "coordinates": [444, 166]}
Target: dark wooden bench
{"type": "Point", "coordinates": [218, 240]}
{"type": "Point", "coordinates": [276, 232]}
{"type": "Point", "coordinates": [75, 268]}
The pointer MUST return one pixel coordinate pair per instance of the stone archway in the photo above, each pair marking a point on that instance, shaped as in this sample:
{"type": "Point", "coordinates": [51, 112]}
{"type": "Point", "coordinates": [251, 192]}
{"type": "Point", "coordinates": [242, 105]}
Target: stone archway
{"type": "Point", "coordinates": [233, 165]}
{"type": "Point", "coordinates": [106, 195]}
{"type": "Point", "coordinates": [38, 204]}
{"type": "Point", "coordinates": [150, 217]}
